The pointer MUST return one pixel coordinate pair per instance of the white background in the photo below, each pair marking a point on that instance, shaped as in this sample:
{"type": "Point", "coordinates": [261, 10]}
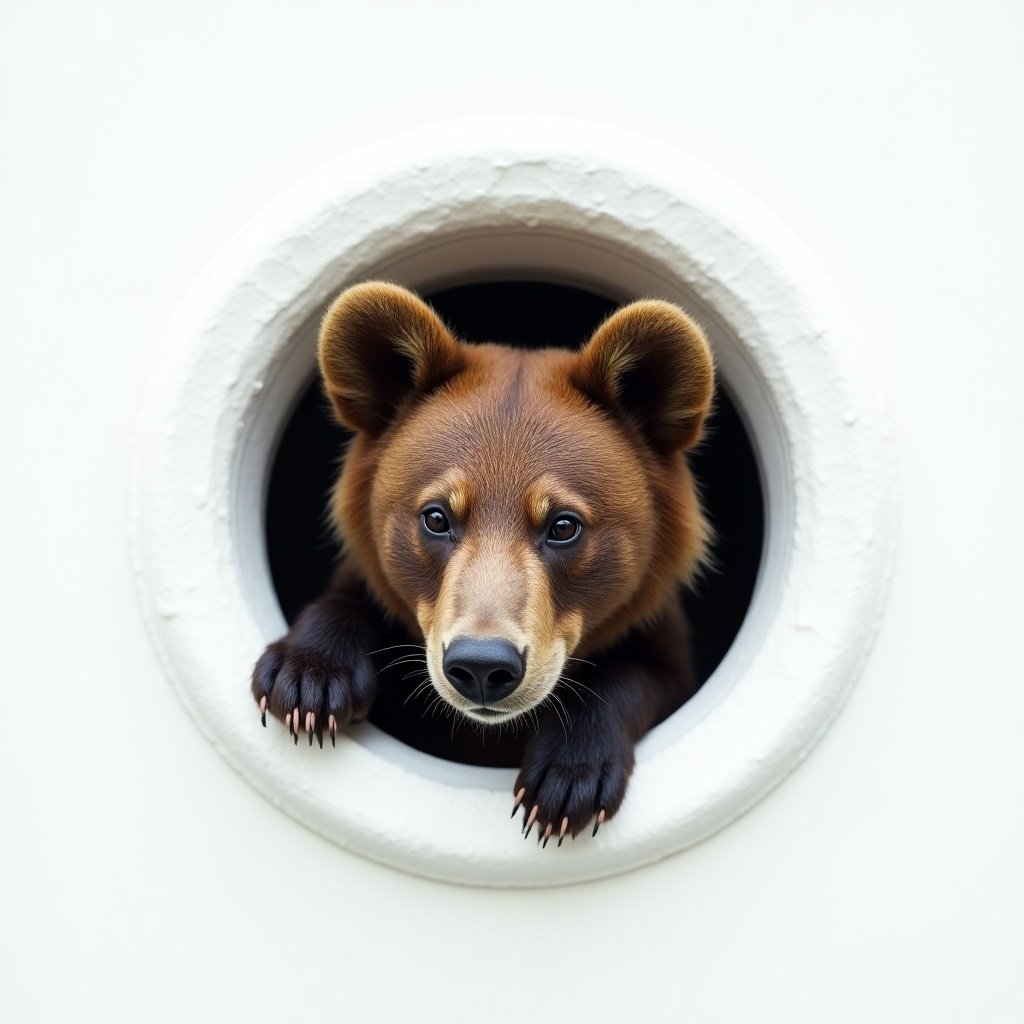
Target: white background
{"type": "Point", "coordinates": [141, 879]}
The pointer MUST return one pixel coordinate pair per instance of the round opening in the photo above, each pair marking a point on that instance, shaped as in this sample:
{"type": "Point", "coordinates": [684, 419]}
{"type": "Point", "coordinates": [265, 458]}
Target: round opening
{"type": "Point", "coordinates": [530, 314]}
{"type": "Point", "coordinates": [594, 217]}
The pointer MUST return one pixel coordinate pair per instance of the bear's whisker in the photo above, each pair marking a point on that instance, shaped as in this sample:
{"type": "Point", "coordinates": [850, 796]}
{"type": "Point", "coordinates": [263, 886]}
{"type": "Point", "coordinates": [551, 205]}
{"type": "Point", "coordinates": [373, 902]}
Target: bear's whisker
{"type": "Point", "coordinates": [572, 683]}
{"type": "Point", "coordinates": [555, 704]}
{"type": "Point", "coordinates": [425, 685]}
{"type": "Point", "coordinates": [408, 659]}
{"type": "Point", "coordinates": [394, 647]}
{"type": "Point", "coordinates": [431, 708]}
{"type": "Point", "coordinates": [582, 661]}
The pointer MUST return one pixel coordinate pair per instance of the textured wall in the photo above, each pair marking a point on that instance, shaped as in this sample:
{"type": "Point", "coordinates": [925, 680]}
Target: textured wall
{"type": "Point", "coordinates": [139, 877]}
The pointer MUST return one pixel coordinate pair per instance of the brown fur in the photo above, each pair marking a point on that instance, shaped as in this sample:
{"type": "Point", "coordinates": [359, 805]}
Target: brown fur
{"type": "Point", "coordinates": [502, 440]}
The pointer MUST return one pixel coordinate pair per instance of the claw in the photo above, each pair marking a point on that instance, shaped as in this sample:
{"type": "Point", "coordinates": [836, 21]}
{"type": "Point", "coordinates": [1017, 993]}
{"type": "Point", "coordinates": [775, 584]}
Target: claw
{"type": "Point", "coordinates": [599, 822]}
{"type": "Point", "coordinates": [310, 722]}
{"type": "Point", "coordinates": [332, 725]}
{"type": "Point", "coordinates": [563, 830]}
{"type": "Point", "coordinates": [529, 822]}
{"type": "Point", "coordinates": [519, 800]}
{"type": "Point", "coordinates": [295, 715]}
{"type": "Point", "coordinates": [263, 711]}
{"type": "Point", "coordinates": [547, 835]}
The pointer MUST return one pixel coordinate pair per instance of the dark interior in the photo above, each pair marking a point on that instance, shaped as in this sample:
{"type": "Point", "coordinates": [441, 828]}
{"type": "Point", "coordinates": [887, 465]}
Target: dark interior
{"type": "Point", "coordinates": [529, 314]}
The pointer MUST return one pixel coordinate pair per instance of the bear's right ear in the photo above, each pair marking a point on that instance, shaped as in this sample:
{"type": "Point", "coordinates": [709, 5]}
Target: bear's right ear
{"type": "Point", "coordinates": [379, 344]}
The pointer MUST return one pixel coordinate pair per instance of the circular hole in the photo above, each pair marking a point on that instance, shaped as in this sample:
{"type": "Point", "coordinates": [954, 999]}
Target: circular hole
{"type": "Point", "coordinates": [301, 550]}
{"type": "Point", "coordinates": [536, 202]}
{"type": "Point", "coordinates": [531, 200]}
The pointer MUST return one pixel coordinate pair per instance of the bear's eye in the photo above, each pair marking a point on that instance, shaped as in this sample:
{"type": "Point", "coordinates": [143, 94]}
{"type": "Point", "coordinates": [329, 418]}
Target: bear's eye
{"type": "Point", "coordinates": [436, 521]}
{"type": "Point", "coordinates": [564, 530]}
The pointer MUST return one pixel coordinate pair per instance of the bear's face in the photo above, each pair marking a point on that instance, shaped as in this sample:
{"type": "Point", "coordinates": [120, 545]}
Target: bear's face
{"type": "Point", "coordinates": [519, 508]}
{"type": "Point", "coordinates": [496, 522]}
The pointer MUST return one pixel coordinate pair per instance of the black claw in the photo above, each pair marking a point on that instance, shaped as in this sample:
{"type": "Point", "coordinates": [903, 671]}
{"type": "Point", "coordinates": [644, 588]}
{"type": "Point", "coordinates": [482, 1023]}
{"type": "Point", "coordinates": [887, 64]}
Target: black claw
{"type": "Point", "coordinates": [526, 834]}
{"type": "Point", "coordinates": [332, 738]}
{"type": "Point", "coordinates": [320, 739]}
{"type": "Point", "coordinates": [544, 845]}
{"type": "Point", "coordinates": [296, 737]}
{"type": "Point", "coordinates": [560, 838]}
{"type": "Point", "coordinates": [597, 825]}
{"type": "Point", "coordinates": [263, 717]}
{"type": "Point", "coordinates": [309, 733]}
{"type": "Point", "coordinates": [514, 809]}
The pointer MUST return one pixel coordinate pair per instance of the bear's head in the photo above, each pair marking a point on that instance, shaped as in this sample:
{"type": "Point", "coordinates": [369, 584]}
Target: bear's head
{"type": "Point", "coordinates": [517, 508]}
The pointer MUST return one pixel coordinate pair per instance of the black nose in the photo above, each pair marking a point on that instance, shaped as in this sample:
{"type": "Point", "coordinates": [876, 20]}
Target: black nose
{"type": "Point", "coordinates": [483, 669]}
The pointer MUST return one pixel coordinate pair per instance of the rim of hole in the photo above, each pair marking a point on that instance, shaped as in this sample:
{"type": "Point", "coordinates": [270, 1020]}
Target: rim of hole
{"type": "Point", "coordinates": [543, 199]}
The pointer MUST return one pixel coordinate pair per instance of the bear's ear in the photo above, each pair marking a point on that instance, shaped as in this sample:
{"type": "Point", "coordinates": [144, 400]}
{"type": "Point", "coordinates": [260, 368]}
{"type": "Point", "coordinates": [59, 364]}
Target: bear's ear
{"type": "Point", "coordinates": [379, 344]}
{"type": "Point", "coordinates": [652, 364]}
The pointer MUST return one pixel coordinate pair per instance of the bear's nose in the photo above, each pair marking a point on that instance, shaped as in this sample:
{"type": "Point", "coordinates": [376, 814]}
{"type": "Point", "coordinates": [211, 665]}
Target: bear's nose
{"type": "Point", "coordinates": [483, 669]}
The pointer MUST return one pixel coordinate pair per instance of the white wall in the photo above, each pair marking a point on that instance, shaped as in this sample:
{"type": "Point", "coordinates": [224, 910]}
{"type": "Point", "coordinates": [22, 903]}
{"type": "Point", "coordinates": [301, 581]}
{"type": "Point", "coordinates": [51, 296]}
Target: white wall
{"type": "Point", "coordinates": [140, 878]}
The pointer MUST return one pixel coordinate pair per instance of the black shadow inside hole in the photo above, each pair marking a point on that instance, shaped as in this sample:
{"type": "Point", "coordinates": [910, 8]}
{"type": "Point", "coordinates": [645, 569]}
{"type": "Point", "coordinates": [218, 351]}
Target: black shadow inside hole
{"type": "Point", "coordinates": [530, 314]}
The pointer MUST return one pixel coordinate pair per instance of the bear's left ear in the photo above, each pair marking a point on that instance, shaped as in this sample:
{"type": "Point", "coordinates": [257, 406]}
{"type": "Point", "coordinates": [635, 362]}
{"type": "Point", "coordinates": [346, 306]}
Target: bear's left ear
{"type": "Point", "coordinates": [380, 344]}
{"type": "Point", "coordinates": [652, 364]}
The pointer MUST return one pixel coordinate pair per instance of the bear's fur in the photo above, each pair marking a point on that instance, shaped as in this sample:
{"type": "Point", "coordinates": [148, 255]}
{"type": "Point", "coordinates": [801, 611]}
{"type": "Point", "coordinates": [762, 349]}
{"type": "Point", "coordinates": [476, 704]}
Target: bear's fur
{"type": "Point", "coordinates": [526, 518]}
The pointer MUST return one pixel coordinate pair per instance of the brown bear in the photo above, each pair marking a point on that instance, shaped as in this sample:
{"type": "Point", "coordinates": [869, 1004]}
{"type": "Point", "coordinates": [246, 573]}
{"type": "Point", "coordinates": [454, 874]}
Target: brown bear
{"type": "Point", "coordinates": [518, 520]}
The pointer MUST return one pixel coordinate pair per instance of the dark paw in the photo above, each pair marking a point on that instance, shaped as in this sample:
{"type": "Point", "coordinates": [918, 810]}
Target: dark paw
{"type": "Point", "coordinates": [310, 690]}
{"type": "Point", "coordinates": [565, 783]}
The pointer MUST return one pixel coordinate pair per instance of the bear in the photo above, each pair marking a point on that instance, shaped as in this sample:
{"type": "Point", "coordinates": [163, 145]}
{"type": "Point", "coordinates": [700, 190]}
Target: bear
{"type": "Point", "coordinates": [517, 524]}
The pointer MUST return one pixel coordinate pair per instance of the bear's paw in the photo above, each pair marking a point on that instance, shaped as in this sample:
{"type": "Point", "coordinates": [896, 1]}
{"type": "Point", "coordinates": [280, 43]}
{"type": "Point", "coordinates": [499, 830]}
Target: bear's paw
{"type": "Point", "coordinates": [567, 781]}
{"type": "Point", "coordinates": [313, 689]}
